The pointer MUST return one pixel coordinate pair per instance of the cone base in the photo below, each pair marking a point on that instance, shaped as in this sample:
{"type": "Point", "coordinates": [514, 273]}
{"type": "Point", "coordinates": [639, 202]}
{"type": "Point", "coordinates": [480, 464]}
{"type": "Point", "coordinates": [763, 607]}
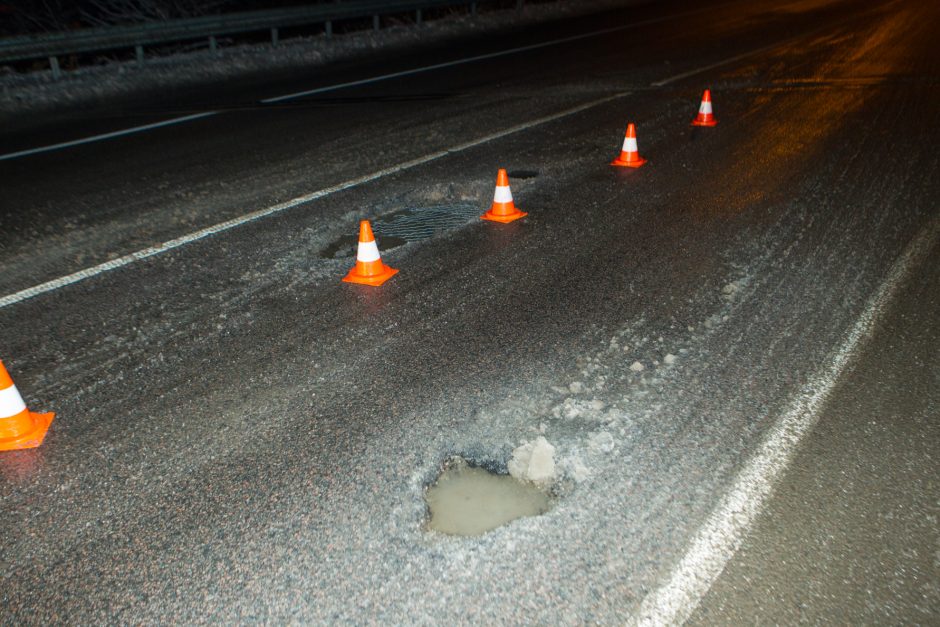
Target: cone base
{"type": "Point", "coordinates": [635, 163]}
{"type": "Point", "coordinates": [505, 219]}
{"type": "Point", "coordinates": [697, 122]}
{"type": "Point", "coordinates": [374, 279]}
{"type": "Point", "coordinates": [32, 439]}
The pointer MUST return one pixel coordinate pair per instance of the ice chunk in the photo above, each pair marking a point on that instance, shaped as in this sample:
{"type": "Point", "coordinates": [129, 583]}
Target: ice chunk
{"type": "Point", "coordinates": [576, 469]}
{"type": "Point", "coordinates": [637, 367]}
{"type": "Point", "coordinates": [602, 441]}
{"type": "Point", "coordinates": [534, 461]}
{"type": "Point", "coordinates": [576, 387]}
{"type": "Point", "coordinates": [669, 359]}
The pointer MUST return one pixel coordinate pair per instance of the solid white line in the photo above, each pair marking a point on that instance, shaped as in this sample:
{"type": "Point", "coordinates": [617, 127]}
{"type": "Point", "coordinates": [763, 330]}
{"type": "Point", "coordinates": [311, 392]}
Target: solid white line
{"type": "Point", "coordinates": [103, 136]}
{"type": "Point", "coordinates": [712, 66]}
{"type": "Point", "coordinates": [481, 57]}
{"type": "Point", "coordinates": [119, 262]}
{"type": "Point", "coordinates": [750, 53]}
{"type": "Point", "coordinates": [724, 531]}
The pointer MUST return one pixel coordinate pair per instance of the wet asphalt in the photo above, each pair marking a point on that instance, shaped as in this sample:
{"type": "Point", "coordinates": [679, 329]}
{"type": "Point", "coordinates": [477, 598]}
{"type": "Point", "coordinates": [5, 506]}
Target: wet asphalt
{"type": "Point", "coordinates": [852, 535]}
{"type": "Point", "coordinates": [242, 438]}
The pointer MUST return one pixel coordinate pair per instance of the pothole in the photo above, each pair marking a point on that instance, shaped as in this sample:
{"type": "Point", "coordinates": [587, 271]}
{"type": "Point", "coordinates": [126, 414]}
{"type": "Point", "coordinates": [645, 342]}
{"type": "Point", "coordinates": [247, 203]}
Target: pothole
{"type": "Point", "coordinates": [469, 501]}
{"type": "Point", "coordinates": [406, 225]}
{"type": "Point", "coordinates": [523, 174]}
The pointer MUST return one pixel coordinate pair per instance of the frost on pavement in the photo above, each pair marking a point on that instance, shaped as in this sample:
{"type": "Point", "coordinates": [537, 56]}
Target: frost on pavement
{"type": "Point", "coordinates": [534, 461]}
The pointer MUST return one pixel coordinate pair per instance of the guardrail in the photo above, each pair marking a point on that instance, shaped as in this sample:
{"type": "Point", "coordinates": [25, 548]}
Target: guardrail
{"type": "Point", "coordinates": [53, 45]}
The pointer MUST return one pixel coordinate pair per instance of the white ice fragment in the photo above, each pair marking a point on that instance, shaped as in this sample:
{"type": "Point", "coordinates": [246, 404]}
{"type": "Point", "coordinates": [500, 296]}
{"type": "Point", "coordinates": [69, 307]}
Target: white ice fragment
{"type": "Point", "coordinates": [542, 427]}
{"type": "Point", "coordinates": [597, 405]}
{"type": "Point", "coordinates": [637, 367]}
{"type": "Point", "coordinates": [534, 461]}
{"type": "Point", "coordinates": [669, 359]}
{"type": "Point", "coordinates": [576, 387]}
{"type": "Point", "coordinates": [576, 469]}
{"type": "Point", "coordinates": [602, 441]}
{"type": "Point", "coordinates": [730, 288]}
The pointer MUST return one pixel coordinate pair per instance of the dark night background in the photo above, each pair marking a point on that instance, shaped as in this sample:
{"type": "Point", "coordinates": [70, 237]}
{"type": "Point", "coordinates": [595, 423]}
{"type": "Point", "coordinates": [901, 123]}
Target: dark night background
{"type": "Point", "coordinates": [33, 16]}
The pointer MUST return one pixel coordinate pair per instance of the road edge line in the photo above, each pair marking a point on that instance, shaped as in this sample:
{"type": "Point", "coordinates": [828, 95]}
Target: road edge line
{"type": "Point", "coordinates": [720, 537]}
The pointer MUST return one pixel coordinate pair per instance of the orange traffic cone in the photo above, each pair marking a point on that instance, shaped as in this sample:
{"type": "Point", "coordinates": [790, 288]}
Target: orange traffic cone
{"type": "Point", "coordinates": [629, 157]}
{"type": "Point", "coordinates": [705, 117]}
{"type": "Point", "coordinates": [19, 427]}
{"type": "Point", "coordinates": [369, 269]}
{"type": "Point", "coordinates": [503, 209]}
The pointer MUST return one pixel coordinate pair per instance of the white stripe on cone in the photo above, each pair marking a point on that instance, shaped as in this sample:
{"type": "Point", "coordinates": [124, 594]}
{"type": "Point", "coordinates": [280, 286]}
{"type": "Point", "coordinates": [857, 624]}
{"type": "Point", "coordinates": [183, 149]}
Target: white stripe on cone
{"type": "Point", "coordinates": [368, 251]}
{"type": "Point", "coordinates": [629, 144]}
{"type": "Point", "coordinates": [11, 403]}
{"type": "Point", "coordinates": [706, 107]}
{"type": "Point", "coordinates": [503, 194]}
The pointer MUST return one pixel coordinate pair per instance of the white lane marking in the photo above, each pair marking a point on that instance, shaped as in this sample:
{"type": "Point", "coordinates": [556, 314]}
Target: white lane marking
{"type": "Point", "coordinates": [119, 262]}
{"type": "Point", "coordinates": [338, 86]}
{"type": "Point", "coordinates": [104, 136]}
{"type": "Point", "coordinates": [721, 536]}
{"type": "Point", "coordinates": [482, 57]}
{"type": "Point", "coordinates": [712, 66]}
{"type": "Point", "coordinates": [743, 55]}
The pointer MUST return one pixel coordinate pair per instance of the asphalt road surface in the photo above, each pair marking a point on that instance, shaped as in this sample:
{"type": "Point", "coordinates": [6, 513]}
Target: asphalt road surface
{"type": "Point", "coordinates": [240, 437]}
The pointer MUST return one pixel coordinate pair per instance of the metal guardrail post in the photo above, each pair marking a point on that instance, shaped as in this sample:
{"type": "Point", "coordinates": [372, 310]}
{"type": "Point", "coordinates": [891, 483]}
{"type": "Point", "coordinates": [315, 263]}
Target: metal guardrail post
{"type": "Point", "coordinates": [329, 28]}
{"type": "Point", "coordinates": [473, 9]}
{"type": "Point", "coordinates": [139, 53]}
{"type": "Point", "coordinates": [274, 37]}
{"type": "Point", "coordinates": [418, 17]}
{"type": "Point", "coordinates": [213, 44]}
{"type": "Point", "coordinates": [376, 23]}
{"type": "Point", "coordinates": [54, 64]}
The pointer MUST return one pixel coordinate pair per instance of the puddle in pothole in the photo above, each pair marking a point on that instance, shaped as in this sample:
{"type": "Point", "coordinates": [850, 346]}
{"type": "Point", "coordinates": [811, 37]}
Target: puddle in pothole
{"type": "Point", "coordinates": [469, 501]}
{"type": "Point", "coordinates": [407, 225]}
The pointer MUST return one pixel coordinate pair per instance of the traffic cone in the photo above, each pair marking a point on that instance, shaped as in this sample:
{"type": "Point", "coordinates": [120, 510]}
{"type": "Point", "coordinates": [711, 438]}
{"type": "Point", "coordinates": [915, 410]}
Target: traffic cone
{"type": "Point", "coordinates": [503, 209]}
{"type": "Point", "coordinates": [19, 427]}
{"type": "Point", "coordinates": [705, 117]}
{"type": "Point", "coordinates": [369, 269]}
{"type": "Point", "coordinates": [629, 157]}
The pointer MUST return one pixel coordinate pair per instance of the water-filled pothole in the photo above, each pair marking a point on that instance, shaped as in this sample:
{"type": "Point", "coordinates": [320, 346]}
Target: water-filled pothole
{"type": "Point", "coordinates": [469, 501]}
{"type": "Point", "coordinates": [406, 225]}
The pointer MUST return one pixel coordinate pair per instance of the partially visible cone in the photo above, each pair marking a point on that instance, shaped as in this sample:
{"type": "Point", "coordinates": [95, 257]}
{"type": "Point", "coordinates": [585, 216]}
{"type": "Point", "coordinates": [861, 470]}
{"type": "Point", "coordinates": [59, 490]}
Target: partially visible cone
{"type": "Point", "coordinates": [369, 269]}
{"type": "Point", "coordinates": [19, 427]}
{"type": "Point", "coordinates": [705, 116]}
{"type": "Point", "coordinates": [503, 209]}
{"type": "Point", "coordinates": [629, 157]}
